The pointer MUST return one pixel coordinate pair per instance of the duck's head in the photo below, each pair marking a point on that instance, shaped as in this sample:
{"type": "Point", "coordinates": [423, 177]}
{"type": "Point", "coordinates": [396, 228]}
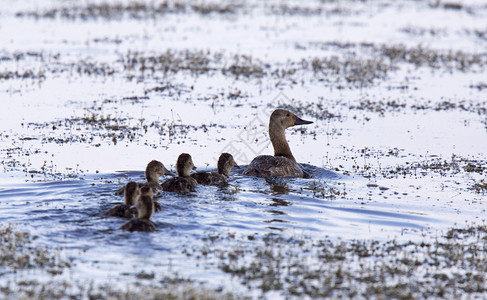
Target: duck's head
{"type": "Point", "coordinates": [282, 118]}
{"type": "Point", "coordinates": [184, 165]}
{"type": "Point", "coordinates": [132, 193]}
{"type": "Point", "coordinates": [226, 163]}
{"type": "Point", "coordinates": [154, 170]}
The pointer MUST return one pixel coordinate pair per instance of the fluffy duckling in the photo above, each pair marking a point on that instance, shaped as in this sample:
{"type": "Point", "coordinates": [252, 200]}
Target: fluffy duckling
{"type": "Point", "coordinates": [153, 171]}
{"type": "Point", "coordinates": [145, 209]}
{"type": "Point", "coordinates": [283, 163]}
{"type": "Point", "coordinates": [148, 191]}
{"type": "Point", "coordinates": [184, 182]}
{"type": "Point", "coordinates": [132, 194]}
{"type": "Point", "coordinates": [225, 165]}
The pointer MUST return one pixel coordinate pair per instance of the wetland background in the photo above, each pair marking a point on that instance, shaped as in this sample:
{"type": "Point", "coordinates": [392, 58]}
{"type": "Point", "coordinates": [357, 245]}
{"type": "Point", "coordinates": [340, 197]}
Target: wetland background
{"type": "Point", "coordinates": [91, 91]}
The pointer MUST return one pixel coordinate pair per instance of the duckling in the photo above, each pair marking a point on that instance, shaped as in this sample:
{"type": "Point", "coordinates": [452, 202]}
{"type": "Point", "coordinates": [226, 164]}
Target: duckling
{"type": "Point", "coordinates": [148, 191]}
{"type": "Point", "coordinates": [184, 182]}
{"type": "Point", "coordinates": [225, 165]}
{"type": "Point", "coordinates": [283, 163]}
{"type": "Point", "coordinates": [145, 210]}
{"type": "Point", "coordinates": [132, 194]}
{"type": "Point", "coordinates": [153, 171]}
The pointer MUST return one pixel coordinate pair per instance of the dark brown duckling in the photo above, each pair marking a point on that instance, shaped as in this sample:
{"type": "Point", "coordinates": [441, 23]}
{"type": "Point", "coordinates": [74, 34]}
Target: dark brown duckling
{"type": "Point", "coordinates": [145, 210]}
{"type": "Point", "coordinates": [225, 165]}
{"type": "Point", "coordinates": [132, 194]}
{"type": "Point", "coordinates": [153, 171]}
{"type": "Point", "coordinates": [184, 183]}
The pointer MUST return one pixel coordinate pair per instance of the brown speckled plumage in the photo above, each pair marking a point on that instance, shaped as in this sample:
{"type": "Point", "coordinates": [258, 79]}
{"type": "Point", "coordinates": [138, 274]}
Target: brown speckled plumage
{"type": "Point", "coordinates": [184, 183]}
{"type": "Point", "coordinates": [139, 225]}
{"type": "Point", "coordinates": [145, 210]}
{"type": "Point", "coordinates": [131, 194]}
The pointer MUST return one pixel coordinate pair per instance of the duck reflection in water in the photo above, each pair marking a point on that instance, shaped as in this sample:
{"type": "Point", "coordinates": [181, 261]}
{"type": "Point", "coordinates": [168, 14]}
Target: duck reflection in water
{"type": "Point", "coordinates": [277, 186]}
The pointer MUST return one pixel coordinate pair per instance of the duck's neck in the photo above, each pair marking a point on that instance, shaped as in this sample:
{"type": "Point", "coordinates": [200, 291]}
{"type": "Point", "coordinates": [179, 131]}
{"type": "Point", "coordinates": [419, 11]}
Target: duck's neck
{"type": "Point", "coordinates": [152, 177]}
{"type": "Point", "coordinates": [184, 173]}
{"type": "Point", "coordinates": [130, 200]}
{"type": "Point", "coordinates": [145, 209]}
{"type": "Point", "coordinates": [223, 171]}
{"type": "Point", "coordinates": [279, 142]}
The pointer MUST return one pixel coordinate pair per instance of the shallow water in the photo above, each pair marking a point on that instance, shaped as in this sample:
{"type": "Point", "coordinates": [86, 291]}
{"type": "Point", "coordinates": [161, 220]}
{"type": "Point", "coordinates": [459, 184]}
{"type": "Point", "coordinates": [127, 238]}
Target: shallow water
{"type": "Point", "coordinates": [388, 158]}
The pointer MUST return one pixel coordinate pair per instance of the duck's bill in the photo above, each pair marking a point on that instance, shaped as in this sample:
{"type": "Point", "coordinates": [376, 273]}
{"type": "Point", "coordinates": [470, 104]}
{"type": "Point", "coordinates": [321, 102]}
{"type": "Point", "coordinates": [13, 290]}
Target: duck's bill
{"type": "Point", "coordinates": [300, 121]}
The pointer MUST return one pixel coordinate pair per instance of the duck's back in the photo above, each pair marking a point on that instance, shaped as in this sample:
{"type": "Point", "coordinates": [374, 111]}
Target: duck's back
{"type": "Point", "coordinates": [208, 178]}
{"type": "Point", "coordinates": [139, 225]}
{"type": "Point", "coordinates": [121, 211]}
{"type": "Point", "coordinates": [179, 185]}
{"type": "Point", "coordinates": [153, 185]}
{"type": "Point", "coordinates": [273, 166]}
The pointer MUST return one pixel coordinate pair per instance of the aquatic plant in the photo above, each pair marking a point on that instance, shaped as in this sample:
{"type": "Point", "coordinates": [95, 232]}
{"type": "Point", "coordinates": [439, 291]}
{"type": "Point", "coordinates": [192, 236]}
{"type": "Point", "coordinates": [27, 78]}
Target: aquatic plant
{"type": "Point", "coordinates": [299, 266]}
{"type": "Point", "coordinates": [17, 253]}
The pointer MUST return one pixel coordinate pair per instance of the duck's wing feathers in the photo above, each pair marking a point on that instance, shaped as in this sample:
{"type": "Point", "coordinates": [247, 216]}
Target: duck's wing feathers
{"type": "Point", "coordinates": [121, 211]}
{"type": "Point", "coordinates": [273, 166]}
{"type": "Point", "coordinates": [139, 225]}
{"type": "Point", "coordinates": [179, 184]}
{"type": "Point", "coordinates": [207, 178]}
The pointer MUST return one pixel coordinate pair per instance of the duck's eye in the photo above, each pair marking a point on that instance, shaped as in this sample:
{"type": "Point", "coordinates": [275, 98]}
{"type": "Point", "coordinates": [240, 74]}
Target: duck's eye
{"type": "Point", "coordinates": [288, 115]}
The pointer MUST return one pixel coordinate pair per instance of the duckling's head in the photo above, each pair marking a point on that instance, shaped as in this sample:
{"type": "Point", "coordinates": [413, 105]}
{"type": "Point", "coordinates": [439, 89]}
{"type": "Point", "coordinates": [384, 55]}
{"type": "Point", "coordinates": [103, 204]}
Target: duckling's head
{"type": "Point", "coordinates": [132, 193]}
{"type": "Point", "coordinates": [147, 191]}
{"type": "Point", "coordinates": [225, 164]}
{"type": "Point", "coordinates": [184, 165]}
{"type": "Point", "coordinates": [283, 119]}
{"type": "Point", "coordinates": [154, 170]}
{"type": "Point", "coordinates": [145, 207]}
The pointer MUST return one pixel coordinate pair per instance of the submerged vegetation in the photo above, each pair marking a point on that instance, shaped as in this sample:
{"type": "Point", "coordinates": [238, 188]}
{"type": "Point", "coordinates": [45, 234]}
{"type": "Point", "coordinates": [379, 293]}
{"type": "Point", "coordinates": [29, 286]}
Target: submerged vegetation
{"type": "Point", "coordinates": [448, 267]}
{"type": "Point", "coordinates": [17, 254]}
{"type": "Point", "coordinates": [451, 265]}
{"type": "Point", "coordinates": [373, 66]}
{"type": "Point", "coordinates": [133, 10]}
{"type": "Point", "coordinates": [94, 128]}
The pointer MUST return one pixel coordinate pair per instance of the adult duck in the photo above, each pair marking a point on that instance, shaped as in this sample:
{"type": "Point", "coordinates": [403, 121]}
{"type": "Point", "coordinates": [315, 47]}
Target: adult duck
{"type": "Point", "coordinates": [283, 163]}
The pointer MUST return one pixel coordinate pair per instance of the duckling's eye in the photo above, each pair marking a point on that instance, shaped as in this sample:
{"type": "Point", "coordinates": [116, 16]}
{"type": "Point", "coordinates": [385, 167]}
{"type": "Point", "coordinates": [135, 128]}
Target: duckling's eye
{"type": "Point", "coordinates": [288, 115]}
